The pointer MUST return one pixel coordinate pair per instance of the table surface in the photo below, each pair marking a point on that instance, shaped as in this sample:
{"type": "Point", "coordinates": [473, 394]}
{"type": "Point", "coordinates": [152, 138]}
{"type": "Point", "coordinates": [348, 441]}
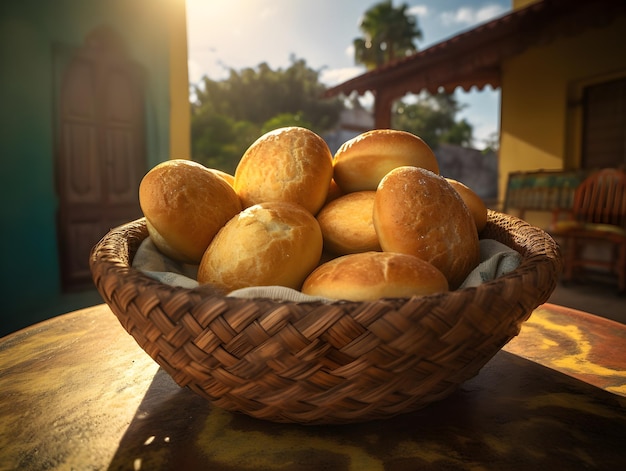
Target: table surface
{"type": "Point", "coordinates": [77, 392]}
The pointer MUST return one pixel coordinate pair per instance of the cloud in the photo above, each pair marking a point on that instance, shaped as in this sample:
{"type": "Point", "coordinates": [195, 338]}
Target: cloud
{"type": "Point", "coordinates": [332, 77]}
{"type": "Point", "coordinates": [350, 51]}
{"type": "Point", "coordinates": [267, 13]}
{"type": "Point", "coordinates": [418, 10]}
{"type": "Point", "coordinates": [195, 71]}
{"type": "Point", "coordinates": [468, 16]}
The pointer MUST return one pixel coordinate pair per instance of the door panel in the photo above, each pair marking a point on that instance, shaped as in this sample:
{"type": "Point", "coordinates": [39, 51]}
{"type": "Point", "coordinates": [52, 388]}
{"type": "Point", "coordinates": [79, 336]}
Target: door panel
{"type": "Point", "coordinates": [80, 169]}
{"type": "Point", "coordinates": [101, 151]}
{"type": "Point", "coordinates": [120, 176]}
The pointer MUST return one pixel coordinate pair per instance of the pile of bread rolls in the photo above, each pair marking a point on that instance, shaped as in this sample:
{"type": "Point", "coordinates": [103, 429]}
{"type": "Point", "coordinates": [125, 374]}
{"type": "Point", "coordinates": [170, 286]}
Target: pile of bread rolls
{"type": "Point", "coordinates": [375, 220]}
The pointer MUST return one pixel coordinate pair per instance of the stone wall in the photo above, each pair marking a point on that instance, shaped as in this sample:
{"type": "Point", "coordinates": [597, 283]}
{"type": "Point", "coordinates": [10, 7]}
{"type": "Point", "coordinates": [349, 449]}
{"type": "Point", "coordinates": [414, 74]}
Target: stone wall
{"type": "Point", "coordinates": [476, 169]}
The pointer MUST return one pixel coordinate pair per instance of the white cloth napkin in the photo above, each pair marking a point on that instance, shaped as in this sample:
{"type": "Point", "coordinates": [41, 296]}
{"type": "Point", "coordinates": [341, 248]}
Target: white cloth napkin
{"type": "Point", "coordinates": [496, 258]}
{"type": "Point", "coordinates": [153, 263]}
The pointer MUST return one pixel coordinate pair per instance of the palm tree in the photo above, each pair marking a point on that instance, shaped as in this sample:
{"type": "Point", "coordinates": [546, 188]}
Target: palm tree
{"type": "Point", "coordinates": [388, 34]}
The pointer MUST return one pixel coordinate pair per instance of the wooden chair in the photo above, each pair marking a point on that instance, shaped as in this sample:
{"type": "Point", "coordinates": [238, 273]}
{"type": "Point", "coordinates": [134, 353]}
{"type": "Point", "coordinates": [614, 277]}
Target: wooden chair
{"type": "Point", "coordinates": [598, 216]}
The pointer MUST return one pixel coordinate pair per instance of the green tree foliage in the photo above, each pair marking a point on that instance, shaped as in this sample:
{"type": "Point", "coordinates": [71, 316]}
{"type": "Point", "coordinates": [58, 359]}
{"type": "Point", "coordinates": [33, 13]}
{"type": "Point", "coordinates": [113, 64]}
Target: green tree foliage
{"type": "Point", "coordinates": [389, 33]}
{"type": "Point", "coordinates": [229, 115]}
{"type": "Point", "coordinates": [286, 119]}
{"type": "Point", "coordinates": [432, 117]}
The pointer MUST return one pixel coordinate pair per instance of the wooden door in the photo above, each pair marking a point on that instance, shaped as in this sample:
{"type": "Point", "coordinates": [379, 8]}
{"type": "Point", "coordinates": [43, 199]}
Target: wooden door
{"type": "Point", "coordinates": [101, 150]}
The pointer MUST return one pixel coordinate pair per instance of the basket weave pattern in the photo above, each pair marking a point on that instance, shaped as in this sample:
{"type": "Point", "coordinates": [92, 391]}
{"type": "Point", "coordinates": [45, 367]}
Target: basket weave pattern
{"type": "Point", "coordinates": [319, 363]}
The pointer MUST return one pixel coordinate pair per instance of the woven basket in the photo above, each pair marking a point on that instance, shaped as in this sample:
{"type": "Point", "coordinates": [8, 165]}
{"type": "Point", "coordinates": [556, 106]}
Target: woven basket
{"type": "Point", "coordinates": [315, 363]}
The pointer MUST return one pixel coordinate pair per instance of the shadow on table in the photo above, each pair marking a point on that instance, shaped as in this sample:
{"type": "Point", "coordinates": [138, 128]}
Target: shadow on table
{"type": "Point", "coordinates": [514, 415]}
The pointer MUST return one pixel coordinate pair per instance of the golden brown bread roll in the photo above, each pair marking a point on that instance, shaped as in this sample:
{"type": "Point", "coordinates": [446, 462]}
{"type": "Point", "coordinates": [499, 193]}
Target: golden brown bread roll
{"type": "Point", "coordinates": [334, 191]}
{"type": "Point", "coordinates": [368, 276]}
{"type": "Point", "coordinates": [290, 164]}
{"type": "Point", "coordinates": [347, 225]}
{"type": "Point", "coordinates": [185, 204]}
{"type": "Point", "coordinates": [267, 244]}
{"type": "Point", "coordinates": [474, 202]}
{"type": "Point", "coordinates": [419, 213]}
{"type": "Point", "coordinates": [362, 162]}
{"type": "Point", "coordinates": [230, 179]}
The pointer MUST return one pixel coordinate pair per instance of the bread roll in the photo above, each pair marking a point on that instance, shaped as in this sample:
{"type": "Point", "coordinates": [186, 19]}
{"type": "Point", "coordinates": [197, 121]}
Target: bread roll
{"type": "Point", "coordinates": [230, 179]}
{"type": "Point", "coordinates": [474, 202]}
{"type": "Point", "coordinates": [347, 224]}
{"type": "Point", "coordinates": [185, 204]}
{"type": "Point", "coordinates": [369, 276]}
{"type": "Point", "coordinates": [267, 244]}
{"type": "Point", "coordinates": [362, 162]}
{"type": "Point", "coordinates": [290, 164]}
{"type": "Point", "coordinates": [334, 191]}
{"type": "Point", "coordinates": [419, 213]}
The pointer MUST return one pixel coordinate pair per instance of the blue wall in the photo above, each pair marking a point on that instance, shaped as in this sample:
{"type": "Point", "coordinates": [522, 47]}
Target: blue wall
{"type": "Point", "coordinates": [30, 286]}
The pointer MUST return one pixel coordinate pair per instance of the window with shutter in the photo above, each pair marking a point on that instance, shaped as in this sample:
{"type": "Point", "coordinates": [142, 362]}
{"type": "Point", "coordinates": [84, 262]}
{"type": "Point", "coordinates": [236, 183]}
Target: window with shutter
{"type": "Point", "coordinates": [604, 125]}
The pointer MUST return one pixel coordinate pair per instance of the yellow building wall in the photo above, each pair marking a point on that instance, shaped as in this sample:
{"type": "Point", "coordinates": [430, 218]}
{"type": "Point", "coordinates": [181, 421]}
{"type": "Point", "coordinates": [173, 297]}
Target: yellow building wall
{"type": "Point", "coordinates": [541, 112]}
{"type": "Point", "coordinates": [180, 111]}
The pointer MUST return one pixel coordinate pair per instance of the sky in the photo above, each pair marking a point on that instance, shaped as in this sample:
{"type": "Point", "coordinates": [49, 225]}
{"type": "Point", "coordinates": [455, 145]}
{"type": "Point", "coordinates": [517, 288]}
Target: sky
{"type": "Point", "coordinates": [236, 34]}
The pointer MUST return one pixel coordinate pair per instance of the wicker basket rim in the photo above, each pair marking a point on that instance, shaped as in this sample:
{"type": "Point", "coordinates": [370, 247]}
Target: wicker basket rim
{"type": "Point", "coordinates": [533, 258]}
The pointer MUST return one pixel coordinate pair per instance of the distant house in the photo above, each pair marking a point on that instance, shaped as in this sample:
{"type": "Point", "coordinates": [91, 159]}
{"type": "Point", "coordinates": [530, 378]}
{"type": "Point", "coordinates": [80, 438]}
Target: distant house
{"type": "Point", "coordinates": [353, 120]}
{"type": "Point", "coordinates": [93, 94]}
{"type": "Point", "coordinates": [561, 68]}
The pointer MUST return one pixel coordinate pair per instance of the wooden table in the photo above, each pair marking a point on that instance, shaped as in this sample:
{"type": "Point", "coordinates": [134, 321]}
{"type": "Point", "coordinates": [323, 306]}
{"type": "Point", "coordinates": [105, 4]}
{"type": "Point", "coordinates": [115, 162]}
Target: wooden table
{"type": "Point", "coordinates": [76, 392]}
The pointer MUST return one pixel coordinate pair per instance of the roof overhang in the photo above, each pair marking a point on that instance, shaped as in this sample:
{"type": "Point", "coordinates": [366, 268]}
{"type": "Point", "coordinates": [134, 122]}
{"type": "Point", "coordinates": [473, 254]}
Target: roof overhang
{"type": "Point", "coordinates": [474, 58]}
